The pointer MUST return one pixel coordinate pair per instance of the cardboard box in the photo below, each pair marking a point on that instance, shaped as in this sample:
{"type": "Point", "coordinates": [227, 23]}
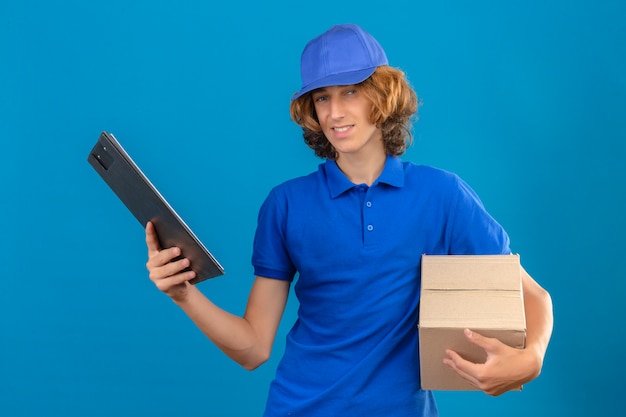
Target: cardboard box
{"type": "Point", "coordinates": [482, 293]}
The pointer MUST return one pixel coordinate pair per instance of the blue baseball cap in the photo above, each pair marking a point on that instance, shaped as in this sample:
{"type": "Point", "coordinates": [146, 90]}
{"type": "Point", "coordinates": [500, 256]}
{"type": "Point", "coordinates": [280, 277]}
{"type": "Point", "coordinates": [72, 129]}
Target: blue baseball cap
{"type": "Point", "coordinates": [343, 55]}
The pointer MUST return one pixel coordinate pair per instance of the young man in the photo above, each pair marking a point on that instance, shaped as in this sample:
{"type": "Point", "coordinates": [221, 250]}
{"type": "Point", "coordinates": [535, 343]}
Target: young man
{"type": "Point", "coordinates": [354, 232]}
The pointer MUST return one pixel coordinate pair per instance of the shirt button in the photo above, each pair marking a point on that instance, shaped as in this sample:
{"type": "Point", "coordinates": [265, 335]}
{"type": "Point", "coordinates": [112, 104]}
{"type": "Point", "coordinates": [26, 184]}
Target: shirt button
{"type": "Point", "coordinates": [368, 204]}
{"type": "Point", "coordinates": [370, 227]}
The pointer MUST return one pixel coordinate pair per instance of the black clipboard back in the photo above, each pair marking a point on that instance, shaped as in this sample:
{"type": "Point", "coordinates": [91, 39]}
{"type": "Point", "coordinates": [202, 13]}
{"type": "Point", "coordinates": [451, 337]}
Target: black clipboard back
{"type": "Point", "coordinates": [146, 203]}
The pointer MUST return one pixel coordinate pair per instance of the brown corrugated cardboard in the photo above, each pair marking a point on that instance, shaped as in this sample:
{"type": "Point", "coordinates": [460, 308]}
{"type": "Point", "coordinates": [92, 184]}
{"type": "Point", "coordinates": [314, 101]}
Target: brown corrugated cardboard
{"type": "Point", "coordinates": [482, 293]}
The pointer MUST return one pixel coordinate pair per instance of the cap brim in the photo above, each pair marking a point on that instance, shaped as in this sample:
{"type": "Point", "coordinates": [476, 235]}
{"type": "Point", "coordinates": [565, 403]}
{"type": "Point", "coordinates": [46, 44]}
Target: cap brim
{"type": "Point", "coordinates": [344, 78]}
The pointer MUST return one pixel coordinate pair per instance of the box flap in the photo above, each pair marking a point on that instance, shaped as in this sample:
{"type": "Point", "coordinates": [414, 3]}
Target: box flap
{"type": "Point", "coordinates": [472, 309]}
{"type": "Point", "coordinates": [472, 272]}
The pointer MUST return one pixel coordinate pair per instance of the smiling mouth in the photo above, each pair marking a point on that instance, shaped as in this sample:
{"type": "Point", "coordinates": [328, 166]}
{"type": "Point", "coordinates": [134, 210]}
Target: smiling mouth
{"type": "Point", "coordinates": [341, 129]}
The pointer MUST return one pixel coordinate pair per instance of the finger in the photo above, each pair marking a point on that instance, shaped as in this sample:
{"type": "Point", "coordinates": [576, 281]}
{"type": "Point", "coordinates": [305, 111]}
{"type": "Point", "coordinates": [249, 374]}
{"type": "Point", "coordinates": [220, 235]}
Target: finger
{"type": "Point", "coordinates": [487, 343]}
{"type": "Point", "coordinates": [157, 259]}
{"type": "Point", "coordinates": [176, 267]}
{"type": "Point", "coordinates": [461, 366]}
{"type": "Point", "coordinates": [170, 282]}
{"type": "Point", "coordinates": [152, 240]}
{"type": "Point", "coordinates": [163, 262]}
{"type": "Point", "coordinates": [456, 362]}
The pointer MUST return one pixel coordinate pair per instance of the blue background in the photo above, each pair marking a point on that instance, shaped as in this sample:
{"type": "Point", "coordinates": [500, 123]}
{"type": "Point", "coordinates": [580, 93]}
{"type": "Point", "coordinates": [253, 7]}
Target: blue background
{"type": "Point", "coordinates": [524, 100]}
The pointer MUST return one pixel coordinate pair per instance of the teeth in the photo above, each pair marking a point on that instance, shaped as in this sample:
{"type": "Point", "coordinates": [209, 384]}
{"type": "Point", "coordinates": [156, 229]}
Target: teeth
{"type": "Point", "coordinates": [341, 129]}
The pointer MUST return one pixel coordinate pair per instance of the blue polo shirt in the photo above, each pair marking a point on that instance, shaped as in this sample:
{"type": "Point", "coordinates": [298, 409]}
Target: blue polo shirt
{"type": "Point", "coordinates": [353, 350]}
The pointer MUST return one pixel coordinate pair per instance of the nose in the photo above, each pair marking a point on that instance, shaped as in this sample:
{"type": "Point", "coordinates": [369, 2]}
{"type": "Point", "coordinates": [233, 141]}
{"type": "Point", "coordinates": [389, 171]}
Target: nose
{"type": "Point", "coordinates": [336, 108]}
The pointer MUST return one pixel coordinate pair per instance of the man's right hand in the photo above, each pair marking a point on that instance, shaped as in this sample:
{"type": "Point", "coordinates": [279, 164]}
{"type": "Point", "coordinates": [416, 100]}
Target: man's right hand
{"type": "Point", "coordinates": [168, 276]}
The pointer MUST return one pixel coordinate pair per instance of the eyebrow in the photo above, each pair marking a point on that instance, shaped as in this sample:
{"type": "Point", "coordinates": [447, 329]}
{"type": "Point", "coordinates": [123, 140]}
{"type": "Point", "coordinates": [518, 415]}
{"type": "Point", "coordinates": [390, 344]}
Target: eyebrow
{"type": "Point", "coordinates": [319, 90]}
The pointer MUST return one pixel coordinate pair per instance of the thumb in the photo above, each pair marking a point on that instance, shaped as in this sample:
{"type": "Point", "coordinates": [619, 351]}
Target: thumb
{"type": "Point", "coordinates": [152, 240]}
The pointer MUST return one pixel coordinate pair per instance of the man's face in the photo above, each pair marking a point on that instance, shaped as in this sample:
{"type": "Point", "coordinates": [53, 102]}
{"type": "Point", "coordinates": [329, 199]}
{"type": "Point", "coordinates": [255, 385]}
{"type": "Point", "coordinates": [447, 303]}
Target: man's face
{"type": "Point", "coordinates": [343, 113]}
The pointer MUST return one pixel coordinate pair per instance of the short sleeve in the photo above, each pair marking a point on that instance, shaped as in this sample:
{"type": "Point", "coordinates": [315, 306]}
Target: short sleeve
{"type": "Point", "coordinates": [472, 230]}
{"type": "Point", "coordinates": [270, 257]}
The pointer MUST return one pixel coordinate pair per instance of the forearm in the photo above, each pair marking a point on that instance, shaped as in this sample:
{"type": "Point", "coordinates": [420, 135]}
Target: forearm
{"type": "Point", "coordinates": [247, 340]}
{"type": "Point", "coordinates": [507, 368]}
{"type": "Point", "coordinates": [234, 335]}
{"type": "Point", "coordinates": [539, 318]}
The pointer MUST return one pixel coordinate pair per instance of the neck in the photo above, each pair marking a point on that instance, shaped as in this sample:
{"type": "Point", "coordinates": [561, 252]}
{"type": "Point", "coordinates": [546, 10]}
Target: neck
{"type": "Point", "coordinates": [362, 170]}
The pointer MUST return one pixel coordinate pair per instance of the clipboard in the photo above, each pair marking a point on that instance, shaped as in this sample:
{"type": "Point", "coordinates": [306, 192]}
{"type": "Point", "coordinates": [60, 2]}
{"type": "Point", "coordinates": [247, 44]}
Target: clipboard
{"type": "Point", "coordinates": [146, 203]}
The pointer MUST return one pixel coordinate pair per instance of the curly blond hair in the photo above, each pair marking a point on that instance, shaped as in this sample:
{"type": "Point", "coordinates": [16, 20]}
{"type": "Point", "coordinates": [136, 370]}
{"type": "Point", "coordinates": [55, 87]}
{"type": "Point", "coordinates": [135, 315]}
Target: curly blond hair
{"type": "Point", "coordinates": [394, 108]}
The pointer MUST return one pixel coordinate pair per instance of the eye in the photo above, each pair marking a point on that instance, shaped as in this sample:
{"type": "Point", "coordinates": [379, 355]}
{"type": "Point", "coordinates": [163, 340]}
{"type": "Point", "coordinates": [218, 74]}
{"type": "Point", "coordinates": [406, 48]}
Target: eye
{"type": "Point", "coordinates": [319, 99]}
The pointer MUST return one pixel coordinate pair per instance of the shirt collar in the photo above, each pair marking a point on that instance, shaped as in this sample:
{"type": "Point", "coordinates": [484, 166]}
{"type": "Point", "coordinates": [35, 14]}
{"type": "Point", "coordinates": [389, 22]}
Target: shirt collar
{"type": "Point", "coordinates": [338, 183]}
